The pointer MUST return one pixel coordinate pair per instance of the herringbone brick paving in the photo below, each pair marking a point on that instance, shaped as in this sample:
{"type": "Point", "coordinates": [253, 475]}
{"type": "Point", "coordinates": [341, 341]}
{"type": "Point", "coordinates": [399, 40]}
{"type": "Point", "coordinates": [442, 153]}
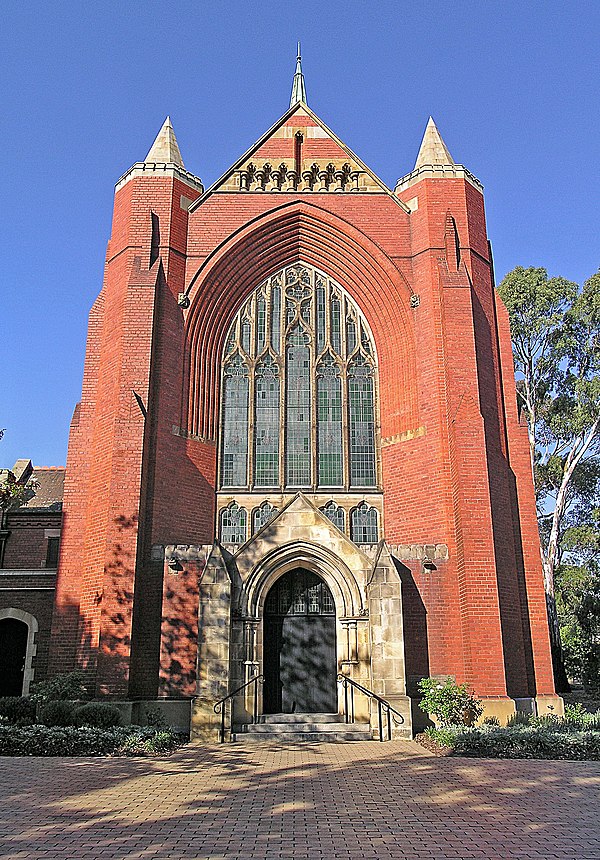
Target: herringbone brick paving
{"type": "Point", "coordinates": [300, 801]}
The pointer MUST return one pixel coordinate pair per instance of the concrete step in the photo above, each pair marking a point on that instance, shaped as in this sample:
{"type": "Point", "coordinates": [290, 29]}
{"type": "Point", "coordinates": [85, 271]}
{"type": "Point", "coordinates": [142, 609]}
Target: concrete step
{"type": "Point", "coordinates": [300, 718]}
{"type": "Point", "coordinates": [266, 728]}
{"type": "Point", "coordinates": [325, 728]}
{"type": "Point", "coordinates": [324, 737]}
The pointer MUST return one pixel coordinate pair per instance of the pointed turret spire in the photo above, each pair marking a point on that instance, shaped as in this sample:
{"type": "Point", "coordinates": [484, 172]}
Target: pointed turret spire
{"type": "Point", "coordinates": [165, 150]}
{"type": "Point", "coordinates": [433, 149]}
{"type": "Point", "coordinates": [298, 88]}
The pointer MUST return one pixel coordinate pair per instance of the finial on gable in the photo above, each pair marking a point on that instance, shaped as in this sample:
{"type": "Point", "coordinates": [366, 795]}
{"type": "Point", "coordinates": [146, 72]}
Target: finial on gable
{"type": "Point", "coordinates": [298, 88]}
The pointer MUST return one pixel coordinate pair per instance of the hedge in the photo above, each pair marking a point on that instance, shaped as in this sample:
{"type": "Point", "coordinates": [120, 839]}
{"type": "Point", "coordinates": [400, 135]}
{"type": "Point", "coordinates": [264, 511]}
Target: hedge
{"type": "Point", "coordinates": [537, 741]}
{"type": "Point", "coordinates": [41, 740]}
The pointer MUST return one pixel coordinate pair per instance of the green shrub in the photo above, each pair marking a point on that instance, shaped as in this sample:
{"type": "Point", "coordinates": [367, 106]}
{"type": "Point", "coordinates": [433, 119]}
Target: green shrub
{"type": "Point", "coordinates": [450, 703]}
{"type": "Point", "coordinates": [575, 712]}
{"type": "Point", "coordinates": [69, 686]}
{"type": "Point", "coordinates": [519, 718]}
{"type": "Point", "coordinates": [491, 721]}
{"type": "Point", "coordinates": [157, 741]}
{"type": "Point", "coordinates": [18, 710]}
{"type": "Point", "coordinates": [84, 741]}
{"type": "Point", "coordinates": [99, 715]}
{"type": "Point", "coordinates": [57, 713]}
{"type": "Point", "coordinates": [543, 742]}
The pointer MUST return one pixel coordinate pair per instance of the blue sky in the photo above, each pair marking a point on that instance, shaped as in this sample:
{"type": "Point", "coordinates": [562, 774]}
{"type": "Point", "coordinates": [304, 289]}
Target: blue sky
{"type": "Point", "coordinates": [513, 87]}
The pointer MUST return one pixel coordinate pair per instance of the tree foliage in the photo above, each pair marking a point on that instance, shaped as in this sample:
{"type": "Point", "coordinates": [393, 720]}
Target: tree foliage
{"type": "Point", "coordinates": [12, 491]}
{"type": "Point", "coordinates": [555, 329]}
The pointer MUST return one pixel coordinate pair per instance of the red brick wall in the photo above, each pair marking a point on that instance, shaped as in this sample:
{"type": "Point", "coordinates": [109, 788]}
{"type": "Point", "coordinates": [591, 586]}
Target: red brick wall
{"type": "Point", "coordinates": [453, 458]}
{"type": "Point", "coordinates": [34, 595]}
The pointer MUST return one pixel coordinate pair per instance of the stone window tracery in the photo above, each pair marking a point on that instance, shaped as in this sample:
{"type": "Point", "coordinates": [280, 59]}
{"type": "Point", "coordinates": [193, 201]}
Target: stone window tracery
{"type": "Point", "coordinates": [363, 524]}
{"type": "Point", "coordinates": [233, 524]}
{"type": "Point", "coordinates": [336, 514]}
{"type": "Point", "coordinates": [299, 388]}
{"type": "Point", "coordinates": [262, 515]}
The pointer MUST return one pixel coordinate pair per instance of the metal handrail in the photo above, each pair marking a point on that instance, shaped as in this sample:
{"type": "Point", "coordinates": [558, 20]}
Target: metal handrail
{"type": "Point", "coordinates": [220, 707]}
{"type": "Point", "coordinates": [382, 705]}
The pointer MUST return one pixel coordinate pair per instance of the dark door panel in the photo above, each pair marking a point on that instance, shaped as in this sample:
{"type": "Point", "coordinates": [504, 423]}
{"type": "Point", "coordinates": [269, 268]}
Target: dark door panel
{"type": "Point", "coordinates": [300, 646]}
{"type": "Point", "coordinates": [13, 649]}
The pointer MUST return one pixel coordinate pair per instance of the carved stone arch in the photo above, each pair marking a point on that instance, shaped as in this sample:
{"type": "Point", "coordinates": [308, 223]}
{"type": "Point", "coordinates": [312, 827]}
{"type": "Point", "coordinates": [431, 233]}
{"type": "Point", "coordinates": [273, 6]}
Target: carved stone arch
{"type": "Point", "coordinates": [283, 236]}
{"type": "Point", "coordinates": [31, 648]}
{"type": "Point", "coordinates": [319, 560]}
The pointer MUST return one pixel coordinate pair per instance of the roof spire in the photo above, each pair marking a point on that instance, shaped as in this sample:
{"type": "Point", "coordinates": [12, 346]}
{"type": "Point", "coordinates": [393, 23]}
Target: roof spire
{"type": "Point", "coordinates": [298, 88]}
{"type": "Point", "coordinates": [433, 149]}
{"type": "Point", "coordinates": [165, 149]}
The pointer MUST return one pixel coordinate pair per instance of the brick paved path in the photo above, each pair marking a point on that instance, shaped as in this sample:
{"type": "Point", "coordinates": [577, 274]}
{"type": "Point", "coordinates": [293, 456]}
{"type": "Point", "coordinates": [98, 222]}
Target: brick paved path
{"type": "Point", "coordinates": [362, 800]}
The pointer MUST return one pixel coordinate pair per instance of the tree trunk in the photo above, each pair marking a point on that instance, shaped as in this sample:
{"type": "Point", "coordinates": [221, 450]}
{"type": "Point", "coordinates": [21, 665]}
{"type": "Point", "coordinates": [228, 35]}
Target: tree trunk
{"type": "Point", "coordinates": [561, 682]}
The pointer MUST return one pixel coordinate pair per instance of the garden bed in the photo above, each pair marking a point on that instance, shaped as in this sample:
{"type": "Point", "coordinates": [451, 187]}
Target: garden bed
{"type": "Point", "coordinates": [558, 741]}
{"type": "Point", "coordinates": [40, 740]}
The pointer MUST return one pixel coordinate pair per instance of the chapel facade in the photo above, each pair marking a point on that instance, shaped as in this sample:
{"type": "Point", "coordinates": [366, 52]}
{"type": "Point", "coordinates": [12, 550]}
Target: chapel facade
{"type": "Point", "coordinates": [298, 452]}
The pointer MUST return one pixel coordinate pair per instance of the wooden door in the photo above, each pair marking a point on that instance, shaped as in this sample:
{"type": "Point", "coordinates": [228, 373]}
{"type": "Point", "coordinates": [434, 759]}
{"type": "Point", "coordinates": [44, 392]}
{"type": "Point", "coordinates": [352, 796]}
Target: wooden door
{"type": "Point", "coordinates": [300, 662]}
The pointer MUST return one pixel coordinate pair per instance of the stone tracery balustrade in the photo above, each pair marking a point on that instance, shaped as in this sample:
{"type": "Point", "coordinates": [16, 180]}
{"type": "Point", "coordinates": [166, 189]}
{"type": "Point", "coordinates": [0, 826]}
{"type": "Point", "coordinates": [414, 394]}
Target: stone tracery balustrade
{"type": "Point", "coordinates": [315, 178]}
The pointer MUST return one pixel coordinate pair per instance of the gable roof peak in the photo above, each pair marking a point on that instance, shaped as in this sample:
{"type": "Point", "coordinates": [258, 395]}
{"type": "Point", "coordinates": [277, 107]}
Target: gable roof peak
{"type": "Point", "coordinates": [433, 150]}
{"type": "Point", "coordinates": [298, 87]}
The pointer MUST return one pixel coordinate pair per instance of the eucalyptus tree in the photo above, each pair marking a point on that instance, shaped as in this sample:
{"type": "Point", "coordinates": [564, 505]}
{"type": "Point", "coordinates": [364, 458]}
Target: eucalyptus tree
{"type": "Point", "coordinates": [555, 330]}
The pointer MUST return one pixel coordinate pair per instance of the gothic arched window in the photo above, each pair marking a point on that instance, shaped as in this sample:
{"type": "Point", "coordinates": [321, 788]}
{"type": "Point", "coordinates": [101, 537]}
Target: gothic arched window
{"type": "Point", "coordinates": [262, 515]}
{"type": "Point", "coordinates": [334, 513]}
{"type": "Point", "coordinates": [233, 524]}
{"type": "Point", "coordinates": [363, 524]}
{"type": "Point", "coordinates": [299, 389]}
{"type": "Point", "coordinates": [234, 468]}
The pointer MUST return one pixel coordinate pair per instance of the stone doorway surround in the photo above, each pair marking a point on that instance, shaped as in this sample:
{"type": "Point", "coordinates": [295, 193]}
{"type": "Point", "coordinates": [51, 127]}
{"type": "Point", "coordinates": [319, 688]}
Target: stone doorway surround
{"type": "Point", "coordinates": [366, 590]}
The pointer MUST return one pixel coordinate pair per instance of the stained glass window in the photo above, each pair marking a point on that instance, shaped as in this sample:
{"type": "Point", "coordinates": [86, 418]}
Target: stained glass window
{"type": "Point", "coordinates": [298, 423]}
{"type": "Point", "coordinates": [262, 515]}
{"type": "Point", "coordinates": [246, 336]}
{"type": "Point", "coordinates": [235, 423]}
{"type": "Point", "coordinates": [266, 424]}
{"type": "Point", "coordinates": [329, 423]}
{"type": "Point", "coordinates": [336, 325]}
{"type": "Point", "coordinates": [362, 426]}
{"type": "Point", "coordinates": [320, 315]}
{"type": "Point", "coordinates": [261, 323]}
{"type": "Point", "coordinates": [298, 396]}
{"type": "Point", "coordinates": [363, 524]}
{"type": "Point", "coordinates": [276, 319]}
{"type": "Point", "coordinates": [233, 524]}
{"type": "Point", "coordinates": [334, 513]}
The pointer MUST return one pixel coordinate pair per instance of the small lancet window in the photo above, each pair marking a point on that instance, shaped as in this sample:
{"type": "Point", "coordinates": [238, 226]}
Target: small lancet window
{"type": "Point", "coordinates": [262, 515]}
{"type": "Point", "coordinates": [261, 323]}
{"type": "Point", "coordinates": [336, 325]}
{"type": "Point", "coordinates": [233, 524]}
{"type": "Point", "coordinates": [298, 412]}
{"type": "Point", "coordinates": [336, 514]}
{"type": "Point", "coordinates": [329, 424]}
{"type": "Point", "coordinates": [275, 319]}
{"type": "Point", "coordinates": [266, 424]}
{"type": "Point", "coordinates": [246, 336]}
{"type": "Point", "coordinates": [361, 412]}
{"type": "Point", "coordinates": [235, 423]}
{"type": "Point", "coordinates": [363, 524]}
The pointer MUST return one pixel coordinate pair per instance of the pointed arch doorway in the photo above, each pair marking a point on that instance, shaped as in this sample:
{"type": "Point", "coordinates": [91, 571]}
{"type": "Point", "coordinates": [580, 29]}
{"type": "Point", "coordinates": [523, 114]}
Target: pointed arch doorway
{"type": "Point", "coordinates": [300, 657]}
{"type": "Point", "coordinates": [13, 652]}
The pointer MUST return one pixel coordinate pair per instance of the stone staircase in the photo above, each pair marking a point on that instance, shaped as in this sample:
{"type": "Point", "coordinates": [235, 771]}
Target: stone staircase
{"type": "Point", "coordinates": [325, 728]}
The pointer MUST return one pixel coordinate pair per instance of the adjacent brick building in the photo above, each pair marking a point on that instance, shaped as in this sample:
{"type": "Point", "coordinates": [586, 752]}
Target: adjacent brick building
{"type": "Point", "coordinates": [29, 546]}
{"type": "Point", "coordinates": [299, 404]}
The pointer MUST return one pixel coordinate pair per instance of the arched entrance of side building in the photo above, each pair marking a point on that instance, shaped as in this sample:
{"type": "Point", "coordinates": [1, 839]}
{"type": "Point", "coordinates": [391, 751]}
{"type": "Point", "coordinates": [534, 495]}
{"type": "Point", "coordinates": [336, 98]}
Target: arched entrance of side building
{"type": "Point", "coordinates": [17, 649]}
{"type": "Point", "coordinates": [299, 646]}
